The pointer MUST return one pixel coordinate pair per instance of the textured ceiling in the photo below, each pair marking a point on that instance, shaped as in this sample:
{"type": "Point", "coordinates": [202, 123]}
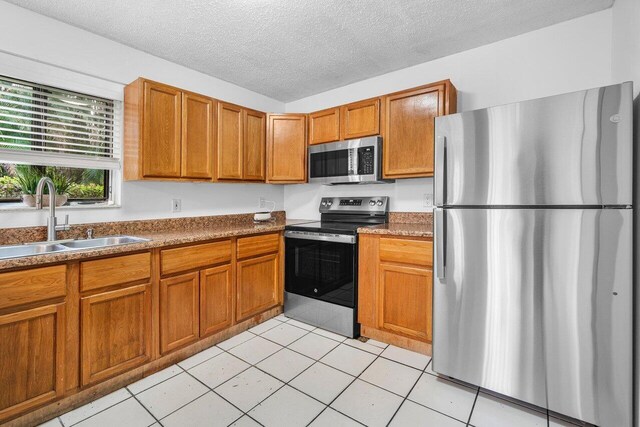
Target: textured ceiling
{"type": "Point", "coordinates": [290, 49]}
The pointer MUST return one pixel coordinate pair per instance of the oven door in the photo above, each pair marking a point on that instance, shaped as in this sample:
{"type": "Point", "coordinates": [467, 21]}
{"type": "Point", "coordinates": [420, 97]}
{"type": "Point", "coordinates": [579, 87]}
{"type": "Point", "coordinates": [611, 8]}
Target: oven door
{"type": "Point", "coordinates": [321, 266]}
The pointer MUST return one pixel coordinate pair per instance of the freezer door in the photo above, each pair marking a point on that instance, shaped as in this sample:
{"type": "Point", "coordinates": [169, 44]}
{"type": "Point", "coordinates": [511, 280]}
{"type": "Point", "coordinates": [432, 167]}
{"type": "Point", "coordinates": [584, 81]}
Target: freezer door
{"type": "Point", "coordinates": [537, 304]}
{"type": "Point", "coordinates": [573, 149]}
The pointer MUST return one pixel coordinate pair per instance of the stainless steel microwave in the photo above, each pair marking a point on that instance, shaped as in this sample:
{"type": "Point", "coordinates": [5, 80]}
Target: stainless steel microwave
{"type": "Point", "coordinates": [355, 161]}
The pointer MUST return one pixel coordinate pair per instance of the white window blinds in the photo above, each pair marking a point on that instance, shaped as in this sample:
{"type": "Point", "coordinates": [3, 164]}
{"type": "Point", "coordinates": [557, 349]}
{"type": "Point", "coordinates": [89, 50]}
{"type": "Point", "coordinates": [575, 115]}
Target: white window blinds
{"type": "Point", "coordinates": [54, 127]}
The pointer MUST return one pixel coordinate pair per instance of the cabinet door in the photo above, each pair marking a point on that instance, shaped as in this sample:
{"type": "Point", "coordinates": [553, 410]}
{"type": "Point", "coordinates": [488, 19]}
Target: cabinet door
{"type": "Point", "coordinates": [404, 300]}
{"type": "Point", "coordinates": [287, 148]}
{"type": "Point", "coordinates": [31, 358]}
{"type": "Point", "coordinates": [408, 138]}
{"type": "Point", "coordinates": [197, 136]}
{"type": "Point", "coordinates": [254, 146]}
{"type": "Point", "coordinates": [360, 119]}
{"type": "Point", "coordinates": [161, 127]}
{"type": "Point", "coordinates": [230, 142]}
{"type": "Point", "coordinates": [324, 126]}
{"type": "Point", "coordinates": [179, 307]}
{"type": "Point", "coordinates": [216, 299]}
{"type": "Point", "coordinates": [257, 285]}
{"type": "Point", "coordinates": [116, 332]}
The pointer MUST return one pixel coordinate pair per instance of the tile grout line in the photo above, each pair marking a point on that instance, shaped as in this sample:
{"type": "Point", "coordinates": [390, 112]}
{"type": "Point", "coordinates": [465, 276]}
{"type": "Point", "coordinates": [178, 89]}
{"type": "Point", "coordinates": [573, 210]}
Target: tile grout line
{"type": "Point", "coordinates": [99, 412]}
{"type": "Point", "coordinates": [475, 400]}
{"type": "Point", "coordinates": [146, 409]}
{"type": "Point", "coordinates": [410, 390]}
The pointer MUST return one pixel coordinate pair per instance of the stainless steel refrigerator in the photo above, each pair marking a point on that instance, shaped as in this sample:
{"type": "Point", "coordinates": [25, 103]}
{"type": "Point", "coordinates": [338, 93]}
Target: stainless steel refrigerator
{"type": "Point", "coordinates": [533, 267]}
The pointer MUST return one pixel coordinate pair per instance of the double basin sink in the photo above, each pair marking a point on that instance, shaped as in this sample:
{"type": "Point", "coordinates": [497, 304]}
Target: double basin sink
{"type": "Point", "coordinates": [43, 248]}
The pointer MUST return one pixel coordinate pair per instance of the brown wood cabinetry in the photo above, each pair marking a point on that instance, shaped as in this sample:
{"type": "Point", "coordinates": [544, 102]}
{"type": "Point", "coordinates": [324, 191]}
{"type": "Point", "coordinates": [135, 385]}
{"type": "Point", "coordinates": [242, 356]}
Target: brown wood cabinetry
{"type": "Point", "coordinates": [360, 119]}
{"type": "Point", "coordinates": [197, 136]}
{"type": "Point", "coordinates": [395, 289]}
{"type": "Point", "coordinates": [168, 133]}
{"type": "Point", "coordinates": [32, 358]}
{"type": "Point", "coordinates": [179, 311]}
{"type": "Point", "coordinates": [241, 143]}
{"type": "Point", "coordinates": [255, 124]}
{"type": "Point", "coordinates": [216, 299]}
{"type": "Point", "coordinates": [408, 128]}
{"type": "Point", "coordinates": [324, 126]}
{"type": "Point", "coordinates": [258, 274]}
{"type": "Point", "coordinates": [116, 332]}
{"type": "Point", "coordinates": [287, 148]}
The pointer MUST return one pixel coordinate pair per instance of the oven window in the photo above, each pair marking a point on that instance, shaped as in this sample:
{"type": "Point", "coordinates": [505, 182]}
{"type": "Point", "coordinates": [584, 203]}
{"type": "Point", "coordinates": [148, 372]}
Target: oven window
{"type": "Point", "coordinates": [329, 164]}
{"type": "Point", "coordinates": [321, 270]}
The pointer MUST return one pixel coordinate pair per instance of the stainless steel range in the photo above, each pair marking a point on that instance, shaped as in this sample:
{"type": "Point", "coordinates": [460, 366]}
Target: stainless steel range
{"type": "Point", "coordinates": [321, 263]}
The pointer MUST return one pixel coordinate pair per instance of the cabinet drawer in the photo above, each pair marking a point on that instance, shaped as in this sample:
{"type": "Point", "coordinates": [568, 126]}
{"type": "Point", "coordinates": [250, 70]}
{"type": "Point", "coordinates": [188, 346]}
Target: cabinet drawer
{"type": "Point", "coordinates": [258, 245]}
{"type": "Point", "coordinates": [195, 256]}
{"type": "Point", "coordinates": [114, 271]}
{"type": "Point", "coordinates": [415, 252]}
{"type": "Point", "coordinates": [36, 284]}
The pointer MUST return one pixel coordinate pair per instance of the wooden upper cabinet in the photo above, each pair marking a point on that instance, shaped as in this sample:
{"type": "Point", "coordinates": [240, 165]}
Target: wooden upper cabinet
{"type": "Point", "coordinates": [162, 114]}
{"type": "Point", "coordinates": [115, 332]}
{"type": "Point", "coordinates": [254, 145]}
{"type": "Point", "coordinates": [408, 128]}
{"type": "Point", "coordinates": [324, 126]}
{"type": "Point", "coordinates": [31, 358]}
{"type": "Point", "coordinates": [360, 119]}
{"type": "Point", "coordinates": [230, 142]}
{"type": "Point", "coordinates": [287, 148]}
{"type": "Point", "coordinates": [197, 136]}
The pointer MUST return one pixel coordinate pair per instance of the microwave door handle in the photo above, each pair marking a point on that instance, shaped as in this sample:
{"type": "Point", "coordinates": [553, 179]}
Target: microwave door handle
{"type": "Point", "coordinates": [441, 171]}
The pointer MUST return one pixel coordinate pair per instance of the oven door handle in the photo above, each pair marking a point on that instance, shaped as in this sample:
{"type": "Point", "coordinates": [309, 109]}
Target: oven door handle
{"type": "Point", "coordinates": [323, 237]}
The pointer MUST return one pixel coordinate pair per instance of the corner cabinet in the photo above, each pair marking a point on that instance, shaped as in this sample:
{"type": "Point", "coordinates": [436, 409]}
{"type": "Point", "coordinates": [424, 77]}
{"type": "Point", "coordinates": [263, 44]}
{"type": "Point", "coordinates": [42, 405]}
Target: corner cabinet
{"type": "Point", "coordinates": [286, 148]}
{"type": "Point", "coordinates": [168, 133]}
{"type": "Point", "coordinates": [395, 289]}
{"type": "Point", "coordinates": [408, 128]}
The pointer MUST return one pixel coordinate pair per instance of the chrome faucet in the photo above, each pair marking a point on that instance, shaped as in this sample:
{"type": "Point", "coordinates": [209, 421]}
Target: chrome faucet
{"type": "Point", "coordinates": [52, 221]}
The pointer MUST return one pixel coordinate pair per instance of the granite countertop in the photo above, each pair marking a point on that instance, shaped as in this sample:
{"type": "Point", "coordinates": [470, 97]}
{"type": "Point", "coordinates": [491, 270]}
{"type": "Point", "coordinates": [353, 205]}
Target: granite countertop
{"type": "Point", "coordinates": [419, 229]}
{"type": "Point", "coordinates": [156, 239]}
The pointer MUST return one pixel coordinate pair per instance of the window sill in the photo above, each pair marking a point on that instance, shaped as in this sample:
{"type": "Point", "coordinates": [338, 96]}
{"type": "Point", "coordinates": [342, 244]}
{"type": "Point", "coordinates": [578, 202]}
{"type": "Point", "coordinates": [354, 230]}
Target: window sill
{"type": "Point", "coordinates": [73, 206]}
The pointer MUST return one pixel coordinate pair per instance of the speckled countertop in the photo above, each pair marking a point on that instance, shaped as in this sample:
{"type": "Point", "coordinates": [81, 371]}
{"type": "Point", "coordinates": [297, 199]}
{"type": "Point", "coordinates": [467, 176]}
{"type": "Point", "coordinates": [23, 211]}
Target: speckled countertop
{"type": "Point", "coordinates": [156, 239]}
{"type": "Point", "coordinates": [399, 229]}
{"type": "Point", "coordinates": [410, 224]}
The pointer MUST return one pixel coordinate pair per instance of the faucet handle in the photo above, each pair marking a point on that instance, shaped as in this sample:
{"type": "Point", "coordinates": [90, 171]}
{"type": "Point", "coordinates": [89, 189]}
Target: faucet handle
{"type": "Point", "coordinates": [89, 233]}
{"type": "Point", "coordinates": [63, 227]}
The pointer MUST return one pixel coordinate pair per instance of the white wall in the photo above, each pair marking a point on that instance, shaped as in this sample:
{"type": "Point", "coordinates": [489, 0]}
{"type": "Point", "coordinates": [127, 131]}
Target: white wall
{"type": "Point", "coordinates": [35, 47]}
{"type": "Point", "coordinates": [569, 56]}
{"type": "Point", "coordinates": [625, 64]}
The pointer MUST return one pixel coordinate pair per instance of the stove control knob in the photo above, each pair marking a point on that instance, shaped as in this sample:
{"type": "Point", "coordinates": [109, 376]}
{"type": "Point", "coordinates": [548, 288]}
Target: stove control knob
{"type": "Point", "coordinates": [324, 203]}
{"type": "Point", "coordinates": [329, 202]}
{"type": "Point", "coordinates": [379, 203]}
{"type": "Point", "coordinates": [372, 202]}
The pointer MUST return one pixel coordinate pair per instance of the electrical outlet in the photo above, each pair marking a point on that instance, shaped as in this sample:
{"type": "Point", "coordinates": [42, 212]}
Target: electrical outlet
{"type": "Point", "coordinates": [176, 205]}
{"type": "Point", "coordinates": [427, 200]}
{"type": "Point", "coordinates": [261, 203]}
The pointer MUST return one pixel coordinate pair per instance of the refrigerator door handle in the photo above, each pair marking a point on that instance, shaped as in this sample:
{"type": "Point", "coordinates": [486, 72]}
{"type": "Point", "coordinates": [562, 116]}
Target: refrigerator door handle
{"type": "Point", "coordinates": [441, 172]}
{"type": "Point", "coordinates": [441, 238]}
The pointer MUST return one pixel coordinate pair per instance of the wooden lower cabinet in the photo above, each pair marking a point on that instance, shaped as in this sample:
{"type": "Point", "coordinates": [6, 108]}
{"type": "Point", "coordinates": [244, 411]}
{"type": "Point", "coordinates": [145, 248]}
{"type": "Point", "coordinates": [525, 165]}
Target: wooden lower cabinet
{"type": "Point", "coordinates": [404, 300]}
{"type": "Point", "coordinates": [216, 299]}
{"type": "Point", "coordinates": [31, 358]}
{"type": "Point", "coordinates": [395, 282]}
{"type": "Point", "coordinates": [257, 285]}
{"type": "Point", "coordinates": [115, 332]}
{"type": "Point", "coordinates": [179, 311]}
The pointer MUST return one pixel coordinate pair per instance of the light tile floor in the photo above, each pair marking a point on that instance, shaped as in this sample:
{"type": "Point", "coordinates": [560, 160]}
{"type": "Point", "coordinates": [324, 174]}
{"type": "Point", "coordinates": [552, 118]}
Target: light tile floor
{"type": "Point", "coordinates": [286, 373]}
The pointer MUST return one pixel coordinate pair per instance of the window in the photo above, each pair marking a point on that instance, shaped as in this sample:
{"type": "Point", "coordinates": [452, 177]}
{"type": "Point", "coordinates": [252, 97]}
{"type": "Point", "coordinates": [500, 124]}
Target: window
{"type": "Point", "coordinates": [71, 137]}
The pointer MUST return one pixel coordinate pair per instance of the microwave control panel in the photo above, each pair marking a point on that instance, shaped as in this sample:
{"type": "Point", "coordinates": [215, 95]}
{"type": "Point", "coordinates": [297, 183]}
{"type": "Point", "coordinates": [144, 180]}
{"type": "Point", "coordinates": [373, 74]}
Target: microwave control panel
{"type": "Point", "coordinates": [366, 156]}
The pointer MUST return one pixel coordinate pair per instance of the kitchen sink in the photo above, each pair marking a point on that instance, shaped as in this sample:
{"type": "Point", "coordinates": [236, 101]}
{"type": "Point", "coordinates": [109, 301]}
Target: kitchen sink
{"type": "Point", "coordinates": [101, 242]}
{"type": "Point", "coordinates": [18, 251]}
{"type": "Point", "coordinates": [42, 248]}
